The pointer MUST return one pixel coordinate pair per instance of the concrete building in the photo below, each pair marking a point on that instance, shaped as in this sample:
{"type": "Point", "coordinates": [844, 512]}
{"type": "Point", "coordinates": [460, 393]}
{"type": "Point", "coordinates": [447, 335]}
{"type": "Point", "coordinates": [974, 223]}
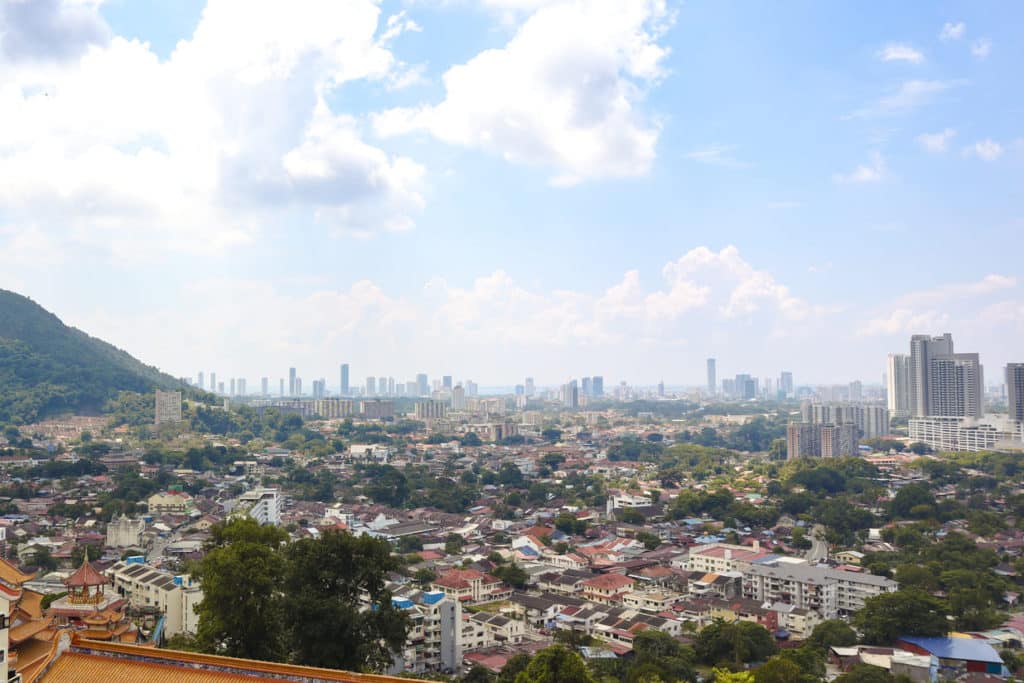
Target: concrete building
{"type": "Point", "coordinates": [813, 440]}
{"type": "Point", "coordinates": [596, 384]}
{"type": "Point", "coordinates": [291, 382]}
{"type": "Point", "coordinates": [168, 407]}
{"type": "Point", "coordinates": [922, 349]}
{"type": "Point", "coordinates": [343, 385]}
{"type": "Point", "coordinates": [169, 502]}
{"type": "Point", "coordinates": [871, 421]}
{"type": "Point", "coordinates": [430, 409]}
{"type": "Point", "coordinates": [148, 588]}
{"type": "Point", "coordinates": [712, 377]}
{"type": "Point", "coordinates": [124, 532]}
{"type": "Point", "coordinates": [786, 384]}
{"type": "Point", "coordinates": [989, 433]}
{"type": "Point", "coordinates": [434, 640]}
{"type": "Point", "coordinates": [956, 386]}
{"type": "Point", "coordinates": [377, 409]}
{"type": "Point", "coordinates": [1015, 391]}
{"type": "Point", "coordinates": [831, 592]}
{"type": "Point", "coordinates": [898, 384]}
{"type": "Point", "coordinates": [263, 505]}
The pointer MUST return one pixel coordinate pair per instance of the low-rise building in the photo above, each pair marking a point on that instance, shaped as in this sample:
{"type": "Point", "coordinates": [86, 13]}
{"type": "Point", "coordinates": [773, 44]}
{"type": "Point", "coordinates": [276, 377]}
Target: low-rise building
{"type": "Point", "coordinates": [174, 596]}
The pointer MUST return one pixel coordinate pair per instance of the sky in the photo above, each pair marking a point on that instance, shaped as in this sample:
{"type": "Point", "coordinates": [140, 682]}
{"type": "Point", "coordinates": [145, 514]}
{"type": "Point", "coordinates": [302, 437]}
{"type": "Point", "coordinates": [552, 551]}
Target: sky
{"type": "Point", "coordinates": [496, 189]}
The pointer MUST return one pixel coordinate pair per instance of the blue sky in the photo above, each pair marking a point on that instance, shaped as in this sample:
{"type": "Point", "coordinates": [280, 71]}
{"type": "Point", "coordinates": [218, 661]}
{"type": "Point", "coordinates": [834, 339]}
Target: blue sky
{"type": "Point", "coordinates": [503, 188]}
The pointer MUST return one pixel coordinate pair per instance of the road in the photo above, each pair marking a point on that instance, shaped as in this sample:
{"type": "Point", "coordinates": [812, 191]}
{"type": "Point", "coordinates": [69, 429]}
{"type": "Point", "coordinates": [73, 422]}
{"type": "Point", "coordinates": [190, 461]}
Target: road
{"type": "Point", "coordinates": [819, 547]}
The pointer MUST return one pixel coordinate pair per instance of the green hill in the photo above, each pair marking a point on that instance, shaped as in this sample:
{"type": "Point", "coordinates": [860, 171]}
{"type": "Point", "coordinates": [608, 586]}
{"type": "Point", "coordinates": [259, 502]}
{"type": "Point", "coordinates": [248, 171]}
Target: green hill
{"type": "Point", "coordinates": [48, 368]}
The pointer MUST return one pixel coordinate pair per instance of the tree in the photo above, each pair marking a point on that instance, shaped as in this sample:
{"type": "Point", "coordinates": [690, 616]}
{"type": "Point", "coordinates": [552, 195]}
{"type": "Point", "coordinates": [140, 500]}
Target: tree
{"type": "Point", "coordinates": [555, 664]}
{"type": "Point", "coordinates": [779, 670]}
{"type": "Point", "coordinates": [907, 612]}
{"type": "Point", "coordinates": [240, 615]}
{"type": "Point", "coordinates": [832, 633]}
{"type": "Point", "coordinates": [477, 674]}
{"type": "Point", "coordinates": [453, 544]}
{"type": "Point", "coordinates": [551, 435]}
{"type": "Point", "coordinates": [513, 667]}
{"type": "Point", "coordinates": [325, 582]}
{"type": "Point", "coordinates": [734, 643]}
{"type": "Point", "coordinates": [512, 574]}
{"type": "Point", "coordinates": [649, 540]}
{"type": "Point", "coordinates": [726, 676]}
{"type": "Point", "coordinates": [659, 655]}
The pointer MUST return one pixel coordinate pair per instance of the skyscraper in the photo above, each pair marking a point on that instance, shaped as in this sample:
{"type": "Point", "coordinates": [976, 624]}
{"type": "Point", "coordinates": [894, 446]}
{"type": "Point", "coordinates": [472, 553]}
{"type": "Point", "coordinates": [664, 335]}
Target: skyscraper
{"type": "Point", "coordinates": [530, 388]}
{"type": "Point", "coordinates": [1015, 390]}
{"type": "Point", "coordinates": [596, 386]}
{"type": "Point", "coordinates": [458, 398]}
{"type": "Point", "coordinates": [586, 387]}
{"type": "Point", "coordinates": [265, 386]}
{"type": "Point", "coordinates": [786, 384]}
{"type": "Point", "coordinates": [422, 385]}
{"type": "Point", "coordinates": [281, 387]}
{"type": "Point", "coordinates": [232, 383]}
{"type": "Point", "coordinates": [382, 386]}
{"type": "Point", "coordinates": [241, 386]}
{"type": "Point", "coordinates": [291, 381]}
{"type": "Point", "coordinates": [344, 379]}
{"type": "Point", "coordinates": [213, 382]}
{"type": "Point", "coordinates": [371, 386]}
{"type": "Point", "coordinates": [956, 385]}
{"type": "Point", "coordinates": [856, 391]}
{"type": "Point", "coordinates": [898, 384]}
{"type": "Point", "coordinates": [712, 377]}
{"type": "Point", "coordinates": [446, 382]}
{"type": "Point", "coordinates": [199, 380]}
{"type": "Point", "coordinates": [922, 349]}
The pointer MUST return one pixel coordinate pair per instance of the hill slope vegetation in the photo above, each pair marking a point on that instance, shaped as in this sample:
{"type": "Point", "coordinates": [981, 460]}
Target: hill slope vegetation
{"type": "Point", "coordinates": [48, 368]}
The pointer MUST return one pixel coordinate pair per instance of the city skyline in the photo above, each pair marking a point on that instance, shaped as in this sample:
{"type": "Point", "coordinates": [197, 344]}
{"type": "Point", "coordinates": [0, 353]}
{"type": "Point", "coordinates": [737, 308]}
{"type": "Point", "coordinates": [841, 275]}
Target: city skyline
{"type": "Point", "coordinates": [725, 194]}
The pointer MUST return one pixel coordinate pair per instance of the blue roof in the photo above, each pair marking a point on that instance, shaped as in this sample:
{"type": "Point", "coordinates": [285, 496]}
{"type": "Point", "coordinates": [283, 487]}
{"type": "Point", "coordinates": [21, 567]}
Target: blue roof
{"type": "Point", "coordinates": [433, 598]}
{"type": "Point", "coordinates": [402, 603]}
{"type": "Point", "coordinates": [967, 649]}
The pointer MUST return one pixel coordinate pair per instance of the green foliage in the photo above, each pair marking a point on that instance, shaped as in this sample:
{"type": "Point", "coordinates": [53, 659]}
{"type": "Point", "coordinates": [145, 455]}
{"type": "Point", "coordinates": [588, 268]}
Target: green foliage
{"type": "Point", "coordinates": [658, 654]}
{"type": "Point", "coordinates": [512, 574]}
{"type": "Point", "coordinates": [50, 598]}
{"type": "Point", "coordinates": [47, 368]}
{"type": "Point", "coordinates": [907, 612]}
{"type": "Point", "coordinates": [832, 633]}
{"type": "Point", "coordinates": [555, 664]}
{"type": "Point", "coordinates": [325, 580]}
{"type": "Point", "coordinates": [865, 673]}
{"type": "Point", "coordinates": [299, 602]}
{"type": "Point", "coordinates": [734, 643]}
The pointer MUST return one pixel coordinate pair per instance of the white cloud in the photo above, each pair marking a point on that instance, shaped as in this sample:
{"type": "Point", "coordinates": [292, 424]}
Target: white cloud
{"type": "Point", "coordinates": [44, 30]}
{"type": "Point", "coordinates": [931, 309]}
{"type": "Point", "coordinates": [981, 48]}
{"type": "Point", "coordinates": [986, 150]}
{"type": "Point", "coordinates": [865, 173]}
{"type": "Point", "coordinates": [210, 147]}
{"type": "Point", "coordinates": [936, 142]}
{"type": "Point", "coordinates": [951, 31]}
{"type": "Point", "coordinates": [564, 93]}
{"type": "Point", "coordinates": [909, 96]}
{"type": "Point", "coordinates": [900, 52]}
{"type": "Point", "coordinates": [716, 155]}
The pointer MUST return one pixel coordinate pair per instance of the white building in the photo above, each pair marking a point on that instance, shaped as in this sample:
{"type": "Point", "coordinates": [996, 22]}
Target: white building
{"type": "Point", "coordinates": [434, 640]}
{"type": "Point", "coordinates": [123, 532]}
{"type": "Point", "coordinates": [173, 596]}
{"type": "Point", "coordinates": [263, 505]}
{"type": "Point", "coordinates": [990, 433]}
{"type": "Point", "coordinates": [168, 407]}
{"type": "Point", "coordinates": [830, 592]}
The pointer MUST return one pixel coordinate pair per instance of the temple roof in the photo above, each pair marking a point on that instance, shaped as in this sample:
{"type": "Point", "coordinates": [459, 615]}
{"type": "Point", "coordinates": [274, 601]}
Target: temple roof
{"type": "Point", "coordinates": [86, 575]}
{"type": "Point", "coordinates": [12, 575]}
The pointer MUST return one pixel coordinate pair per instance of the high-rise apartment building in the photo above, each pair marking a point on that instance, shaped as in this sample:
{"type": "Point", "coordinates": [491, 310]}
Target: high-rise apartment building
{"type": "Point", "coordinates": [168, 407]}
{"type": "Point", "coordinates": [242, 389]}
{"type": "Point", "coordinates": [922, 349]}
{"type": "Point", "coordinates": [382, 386]}
{"type": "Point", "coordinates": [786, 384]}
{"type": "Point", "coordinates": [371, 386]}
{"type": "Point", "coordinates": [956, 386]}
{"type": "Point", "coordinates": [458, 398]}
{"type": "Point", "coordinates": [1015, 391]}
{"type": "Point", "coordinates": [213, 382]}
{"type": "Point", "coordinates": [446, 382]}
{"type": "Point", "coordinates": [232, 383]}
{"type": "Point", "coordinates": [856, 391]}
{"type": "Point", "coordinates": [810, 440]}
{"type": "Point", "coordinates": [586, 386]}
{"type": "Point", "coordinates": [712, 377]}
{"type": "Point", "coordinates": [200, 380]}
{"type": "Point", "coordinates": [264, 386]}
{"type": "Point", "coordinates": [431, 409]}
{"type": "Point", "coordinates": [596, 385]}
{"type": "Point", "coordinates": [898, 384]}
{"type": "Point", "coordinates": [281, 386]}
{"type": "Point", "coordinates": [571, 395]}
{"type": "Point", "coordinates": [291, 382]}
{"type": "Point", "coordinates": [422, 385]}
{"type": "Point", "coordinates": [343, 386]}
{"type": "Point", "coordinates": [298, 386]}
{"type": "Point", "coordinates": [530, 388]}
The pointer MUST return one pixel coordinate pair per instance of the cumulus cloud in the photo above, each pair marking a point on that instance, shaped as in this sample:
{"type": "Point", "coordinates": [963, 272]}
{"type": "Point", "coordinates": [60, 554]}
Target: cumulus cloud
{"type": "Point", "coordinates": [934, 308]}
{"type": "Point", "coordinates": [982, 48]}
{"type": "Point", "coordinates": [205, 149]}
{"type": "Point", "coordinates": [951, 31]}
{"type": "Point", "coordinates": [872, 172]}
{"type": "Point", "coordinates": [900, 52]}
{"type": "Point", "coordinates": [49, 30]}
{"type": "Point", "coordinates": [565, 92]}
{"type": "Point", "coordinates": [936, 142]}
{"type": "Point", "coordinates": [986, 150]}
